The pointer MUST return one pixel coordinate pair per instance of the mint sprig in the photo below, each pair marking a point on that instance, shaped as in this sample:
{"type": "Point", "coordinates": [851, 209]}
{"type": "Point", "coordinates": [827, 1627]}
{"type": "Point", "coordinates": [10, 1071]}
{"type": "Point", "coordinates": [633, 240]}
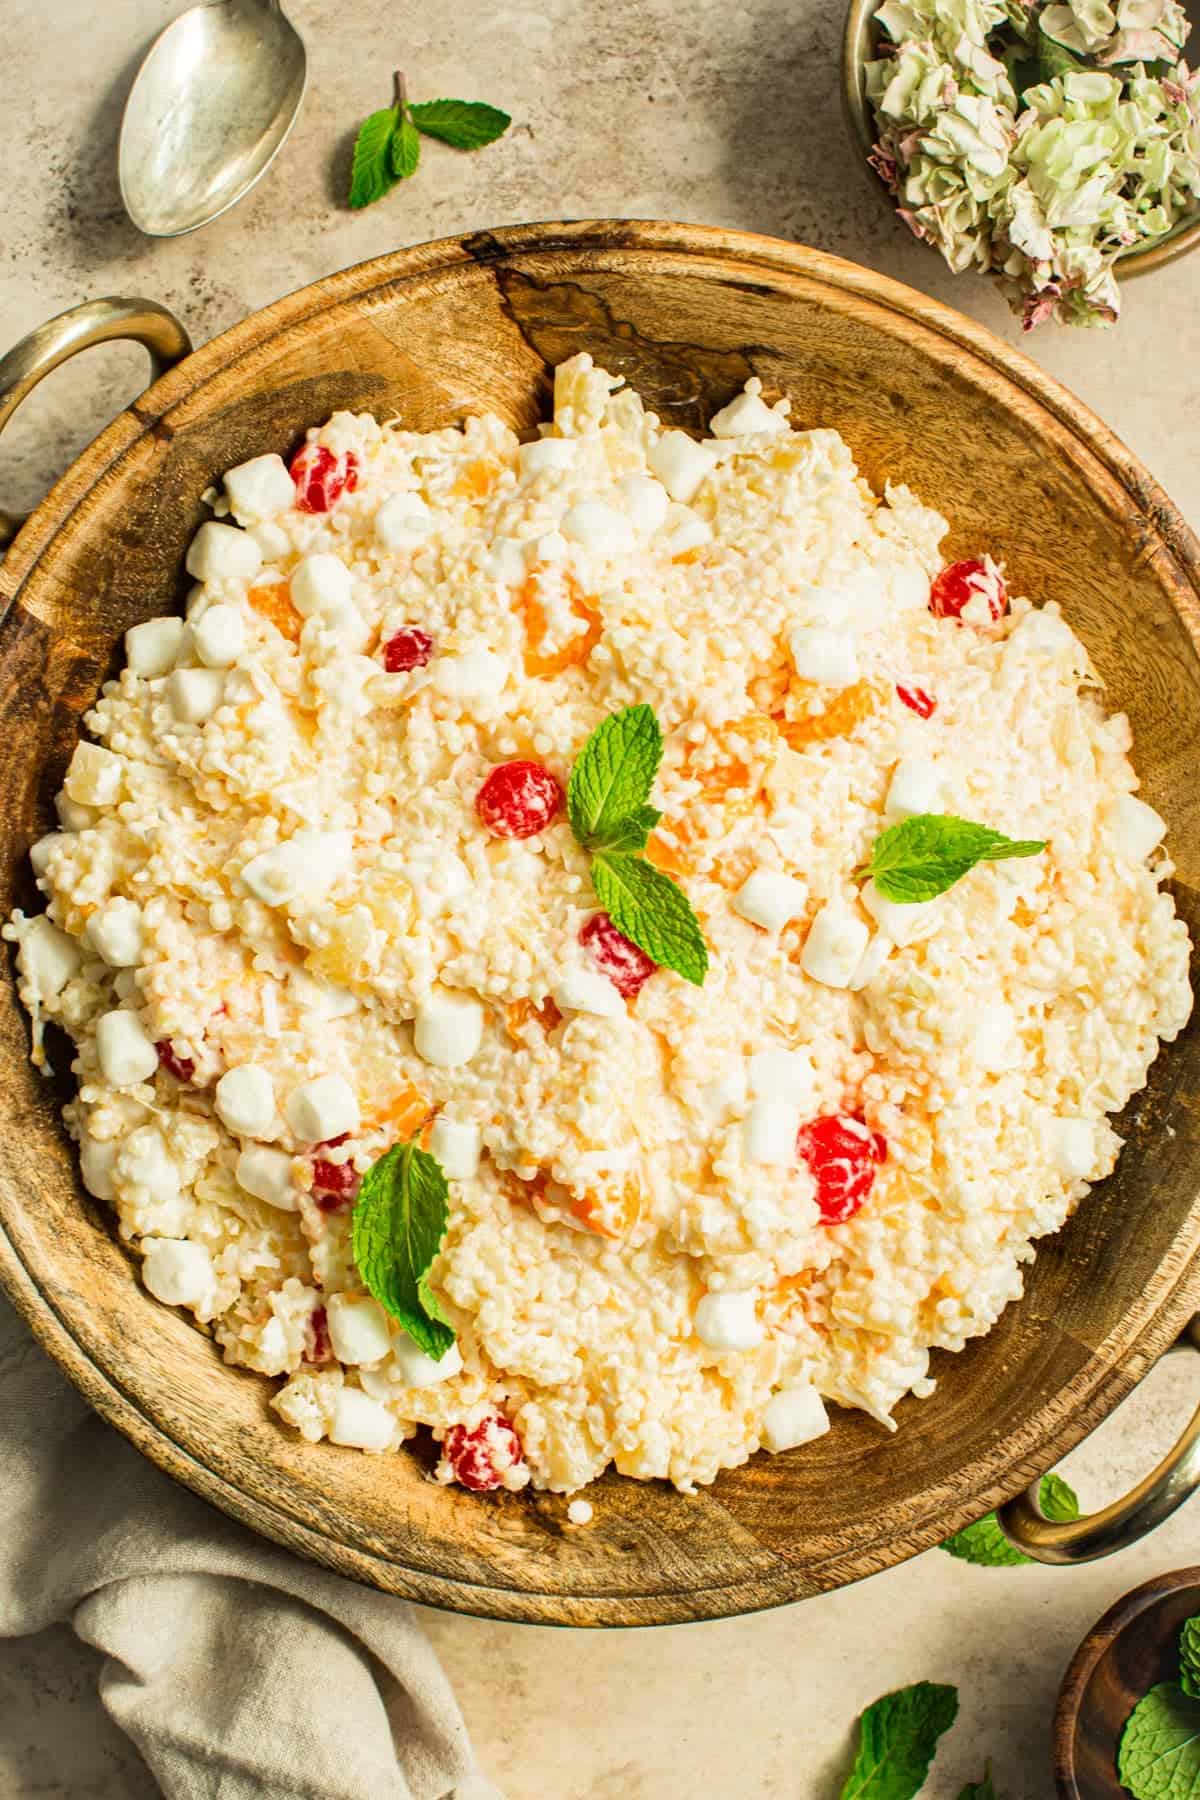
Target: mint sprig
{"type": "Point", "coordinates": [399, 1222]}
{"type": "Point", "coordinates": [1189, 1658]}
{"type": "Point", "coordinates": [607, 797]}
{"type": "Point", "coordinates": [983, 1542]}
{"type": "Point", "coordinates": [897, 1737]}
{"type": "Point", "coordinates": [388, 147]}
{"type": "Point", "coordinates": [923, 856]}
{"type": "Point", "coordinates": [980, 1790]}
{"type": "Point", "coordinates": [1159, 1753]}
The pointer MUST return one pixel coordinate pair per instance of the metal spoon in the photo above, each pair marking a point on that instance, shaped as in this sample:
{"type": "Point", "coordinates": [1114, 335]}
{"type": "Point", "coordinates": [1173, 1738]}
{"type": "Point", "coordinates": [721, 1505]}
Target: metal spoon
{"type": "Point", "coordinates": [212, 105]}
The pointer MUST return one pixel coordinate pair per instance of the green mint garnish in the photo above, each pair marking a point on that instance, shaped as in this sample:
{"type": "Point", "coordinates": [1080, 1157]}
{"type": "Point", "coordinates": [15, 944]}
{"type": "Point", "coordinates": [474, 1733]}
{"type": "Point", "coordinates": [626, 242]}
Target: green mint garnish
{"type": "Point", "coordinates": [612, 778]}
{"type": "Point", "coordinates": [399, 1223]}
{"type": "Point", "coordinates": [921, 857]}
{"type": "Point", "coordinates": [1159, 1754]}
{"type": "Point", "coordinates": [1189, 1658]}
{"type": "Point", "coordinates": [388, 147]}
{"type": "Point", "coordinates": [980, 1790]}
{"type": "Point", "coordinates": [464, 124]}
{"type": "Point", "coordinates": [985, 1544]}
{"type": "Point", "coordinates": [652, 911]}
{"type": "Point", "coordinates": [897, 1737]}
{"type": "Point", "coordinates": [607, 805]}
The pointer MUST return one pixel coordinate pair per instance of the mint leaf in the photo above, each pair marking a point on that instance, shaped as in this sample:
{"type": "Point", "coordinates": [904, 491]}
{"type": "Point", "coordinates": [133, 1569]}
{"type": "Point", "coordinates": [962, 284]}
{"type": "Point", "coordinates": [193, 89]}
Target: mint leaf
{"type": "Point", "coordinates": [630, 833]}
{"type": "Point", "coordinates": [923, 856]}
{"type": "Point", "coordinates": [1189, 1658]}
{"type": "Point", "coordinates": [980, 1790]}
{"type": "Point", "coordinates": [405, 152]}
{"type": "Point", "coordinates": [1159, 1754]}
{"type": "Point", "coordinates": [399, 1223]}
{"type": "Point", "coordinates": [651, 911]}
{"type": "Point", "coordinates": [466, 124]}
{"type": "Point", "coordinates": [983, 1542]}
{"type": "Point", "coordinates": [897, 1737]}
{"type": "Point", "coordinates": [612, 777]}
{"type": "Point", "coordinates": [372, 175]}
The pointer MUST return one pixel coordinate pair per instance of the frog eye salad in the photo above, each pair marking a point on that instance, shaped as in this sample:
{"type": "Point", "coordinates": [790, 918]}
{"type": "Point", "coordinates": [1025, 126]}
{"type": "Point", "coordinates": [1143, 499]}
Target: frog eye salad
{"type": "Point", "coordinates": [600, 947]}
{"type": "Point", "coordinates": [1037, 142]}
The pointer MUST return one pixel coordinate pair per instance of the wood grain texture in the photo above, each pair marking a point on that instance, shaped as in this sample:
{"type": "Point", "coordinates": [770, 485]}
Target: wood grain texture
{"type": "Point", "coordinates": [685, 313]}
{"type": "Point", "coordinates": [1134, 1645]}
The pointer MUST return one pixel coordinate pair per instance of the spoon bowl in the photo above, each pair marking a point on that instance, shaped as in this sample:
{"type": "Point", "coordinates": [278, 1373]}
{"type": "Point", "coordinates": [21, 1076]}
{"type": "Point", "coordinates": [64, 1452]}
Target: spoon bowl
{"type": "Point", "coordinates": [210, 109]}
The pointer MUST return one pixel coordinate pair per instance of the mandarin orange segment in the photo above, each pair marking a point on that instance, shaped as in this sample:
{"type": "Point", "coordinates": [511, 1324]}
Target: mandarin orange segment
{"type": "Point", "coordinates": [790, 1288]}
{"type": "Point", "coordinates": [844, 714]}
{"type": "Point", "coordinates": [577, 649]}
{"type": "Point", "coordinates": [274, 603]}
{"type": "Point", "coordinates": [406, 1112]}
{"type": "Point", "coordinates": [476, 480]}
{"type": "Point", "coordinates": [608, 1215]}
{"type": "Point", "coordinates": [520, 1012]}
{"type": "Point", "coordinates": [665, 856]}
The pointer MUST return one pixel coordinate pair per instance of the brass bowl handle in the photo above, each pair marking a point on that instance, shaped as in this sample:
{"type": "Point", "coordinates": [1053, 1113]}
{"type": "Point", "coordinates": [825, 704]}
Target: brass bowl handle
{"type": "Point", "coordinates": [95, 322]}
{"type": "Point", "coordinates": [1117, 1526]}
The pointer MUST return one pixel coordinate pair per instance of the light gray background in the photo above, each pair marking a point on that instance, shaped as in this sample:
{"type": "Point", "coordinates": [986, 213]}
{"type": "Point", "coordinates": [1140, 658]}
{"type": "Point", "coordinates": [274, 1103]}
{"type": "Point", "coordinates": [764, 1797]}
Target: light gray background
{"type": "Point", "coordinates": [713, 111]}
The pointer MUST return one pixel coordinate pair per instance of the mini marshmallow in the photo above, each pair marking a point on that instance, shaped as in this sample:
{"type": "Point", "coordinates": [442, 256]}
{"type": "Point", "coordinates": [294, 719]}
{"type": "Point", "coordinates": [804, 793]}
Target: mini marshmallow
{"type": "Point", "coordinates": [680, 463]}
{"type": "Point", "coordinates": [781, 1074]}
{"type": "Point", "coordinates": [769, 1132]}
{"type": "Point", "coordinates": [321, 582]}
{"type": "Point", "coordinates": [871, 961]}
{"type": "Point", "coordinates": [144, 1161]}
{"type": "Point", "coordinates": [438, 882]}
{"type": "Point", "coordinates": [115, 932]}
{"type": "Point", "coordinates": [1041, 630]}
{"type": "Point", "coordinates": [324, 998]}
{"type": "Point", "coordinates": [729, 1320]}
{"type": "Point", "coordinates": [1072, 1144]}
{"type": "Point", "coordinates": [245, 1100]}
{"type": "Point", "coordinates": [402, 523]}
{"type": "Point", "coordinates": [553, 548]}
{"type": "Point", "coordinates": [794, 1416]}
{"type": "Point", "coordinates": [259, 489]}
{"type": "Point", "coordinates": [587, 991]}
{"type": "Point", "coordinates": [724, 1096]}
{"type": "Point", "coordinates": [359, 1422]}
{"type": "Point", "coordinates": [71, 815]}
{"type": "Point", "coordinates": [416, 1370]}
{"type": "Point", "coordinates": [834, 945]}
{"type": "Point", "coordinates": [457, 1145]}
{"type": "Point", "coordinates": [769, 898]}
{"type": "Point", "coordinates": [219, 636]}
{"type": "Point", "coordinates": [505, 562]}
{"type": "Point", "coordinates": [322, 1108]}
{"type": "Point", "coordinates": [580, 1512]}
{"type": "Point", "coordinates": [195, 694]}
{"type": "Point", "coordinates": [358, 1328]}
{"type": "Point", "coordinates": [546, 453]}
{"type": "Point", "coordinates": [824, 606]}
{"type": "Point", "coordinates": [96, 1159]}
{"type": "Point", "coordinates": [448, 1028]}
{"type": "Point", "coordinates": [49, 957]}
{"type": "Point", "coordinates": [1133, 828]}
{"type": "Point", "coordinates": [267, 1174]}
{"type": "Point", "coordinates": [915, 787]}
{"type": "Point", "coordinates": [94, 776]}
{"type": "Point", "coordinates": [747, 415]}
{"type": "Point", "coordinates": [899, 920]}
{"type": "Point", "coordinates": [475, 675]}
{"type": "Point", "coordinates": [152, 647]}
{"type": "Point", "coordinates": [598, 527]}
{"type": "Point", "coordinates": [646, 502]}
{"type": "Point", "coordinates": [824, 656]}
{"type": "Point", "coordinates": [994, 1039]}
{"type": "Point", "coordinates": [686, 531]}
{"type": "Point", "coordinates": [126, 1054]}
{"type": "Point", "coordinates": [177, 1271]}
{"type": "Point", "coordinates": [223, 553]}
{"type": "Point", "coordinates": [41, 852]}
{"type": "Point", "coordinates": [271, 539]}
{"type": "Point", "coordinates": [307, 865]}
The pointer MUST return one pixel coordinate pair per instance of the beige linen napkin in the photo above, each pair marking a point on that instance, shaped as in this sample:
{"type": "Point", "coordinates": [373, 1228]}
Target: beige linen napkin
{"type": "Point", "coordinates": [236, 1669]}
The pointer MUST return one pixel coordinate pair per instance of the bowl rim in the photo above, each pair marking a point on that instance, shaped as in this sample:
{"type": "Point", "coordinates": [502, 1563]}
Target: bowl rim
{"type": "Point", "coordinates": [856, 40]}
{"type": "Point", "coordinates": [1059, 1422]}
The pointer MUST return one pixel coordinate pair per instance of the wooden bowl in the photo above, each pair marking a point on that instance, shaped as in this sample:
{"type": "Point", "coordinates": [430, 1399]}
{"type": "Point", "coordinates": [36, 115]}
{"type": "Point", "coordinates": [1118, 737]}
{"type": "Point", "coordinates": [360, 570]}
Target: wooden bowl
{"type": "Point", "coordinates": [686, 314]}
{"type": "Point", "coordinates": [1134, 1645]}
{"type": "Point", "coordinates": [858, 47]}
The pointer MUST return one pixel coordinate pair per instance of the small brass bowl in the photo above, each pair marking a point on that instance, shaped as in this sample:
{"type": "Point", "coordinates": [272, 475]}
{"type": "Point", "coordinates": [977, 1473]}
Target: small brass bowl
{"type": "Point", "coordinates": [858, 44]}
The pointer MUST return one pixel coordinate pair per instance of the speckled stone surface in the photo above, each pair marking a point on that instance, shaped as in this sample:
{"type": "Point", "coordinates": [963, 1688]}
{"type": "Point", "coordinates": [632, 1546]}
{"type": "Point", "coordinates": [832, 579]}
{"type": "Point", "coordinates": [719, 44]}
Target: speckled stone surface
{"type": "Point", "coordinates": [718, 112]}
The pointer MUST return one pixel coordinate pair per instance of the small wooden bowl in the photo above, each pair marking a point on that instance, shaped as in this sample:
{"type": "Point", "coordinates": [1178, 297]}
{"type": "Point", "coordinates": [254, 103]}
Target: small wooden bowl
{"type": "Point", "coordinates": [1134, 1645]}
{"type": "Point", "coordinates": [858, 43]}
